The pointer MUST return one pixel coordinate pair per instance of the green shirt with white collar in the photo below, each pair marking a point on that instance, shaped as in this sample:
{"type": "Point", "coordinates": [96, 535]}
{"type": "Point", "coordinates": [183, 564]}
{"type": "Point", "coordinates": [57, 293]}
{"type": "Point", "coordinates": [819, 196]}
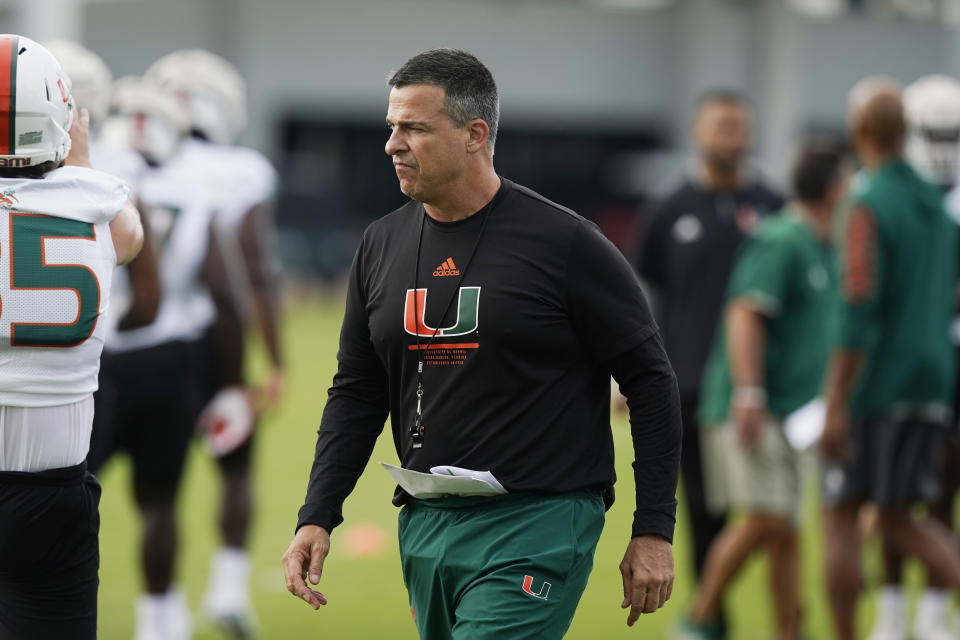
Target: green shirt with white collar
{"type": "Point", "coordinates": [788, 275]}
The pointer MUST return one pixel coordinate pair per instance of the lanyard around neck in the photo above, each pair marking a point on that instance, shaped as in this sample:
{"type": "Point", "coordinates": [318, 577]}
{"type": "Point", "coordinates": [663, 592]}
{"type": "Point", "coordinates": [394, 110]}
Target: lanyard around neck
{"type": "Point", "coordinates": [417, 430]}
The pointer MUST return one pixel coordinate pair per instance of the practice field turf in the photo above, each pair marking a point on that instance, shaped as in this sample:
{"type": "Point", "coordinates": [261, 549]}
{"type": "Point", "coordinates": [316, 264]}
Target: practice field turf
{"type": "Point", "coordinates": [362, 577]}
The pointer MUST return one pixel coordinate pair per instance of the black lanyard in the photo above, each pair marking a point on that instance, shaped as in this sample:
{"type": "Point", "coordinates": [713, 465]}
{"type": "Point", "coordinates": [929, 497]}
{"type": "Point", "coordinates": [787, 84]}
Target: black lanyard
{"type": "Point", "coordinates": [417, 430]}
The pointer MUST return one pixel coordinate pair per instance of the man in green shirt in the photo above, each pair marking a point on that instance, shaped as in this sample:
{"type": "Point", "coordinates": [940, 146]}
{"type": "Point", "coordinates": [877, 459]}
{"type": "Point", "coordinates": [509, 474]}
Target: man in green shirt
{"type": "Point", "coordinates": [766, 363]}
{"type": "Point", "coordinates": [890, 381]}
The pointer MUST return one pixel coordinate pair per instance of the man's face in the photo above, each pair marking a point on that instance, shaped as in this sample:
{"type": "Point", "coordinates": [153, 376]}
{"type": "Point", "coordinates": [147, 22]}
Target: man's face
{"type": "Point", "coordinates": [722, 133]}
{"type": "Point", "coordinates": [429, 152]}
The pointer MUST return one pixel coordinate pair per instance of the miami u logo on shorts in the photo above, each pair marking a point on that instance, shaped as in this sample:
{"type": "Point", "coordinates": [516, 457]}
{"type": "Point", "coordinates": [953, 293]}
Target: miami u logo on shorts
{"type": "Point", "coordinates": [528, 588]}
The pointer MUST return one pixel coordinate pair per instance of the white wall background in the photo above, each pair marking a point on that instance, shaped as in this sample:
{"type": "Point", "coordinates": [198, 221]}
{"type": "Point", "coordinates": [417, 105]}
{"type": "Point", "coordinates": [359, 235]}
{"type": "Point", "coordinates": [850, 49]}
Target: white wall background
{"type": "Point", "coordinates": [561, 62]}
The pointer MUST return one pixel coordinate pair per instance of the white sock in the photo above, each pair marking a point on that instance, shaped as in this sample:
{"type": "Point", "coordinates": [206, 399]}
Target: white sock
{"type": "Point", "coordinates": [890, 606]}
{"type": "Point", "coordinates": [154, 613]}
{"type": "Point", "coordinates": [932, 608]}
{"type": "Point", "coordinates": [175, 598]}
{"type": "Point", "coordinates": [150, 606]}
{"type": "Point", "coordinates": [230, 566]}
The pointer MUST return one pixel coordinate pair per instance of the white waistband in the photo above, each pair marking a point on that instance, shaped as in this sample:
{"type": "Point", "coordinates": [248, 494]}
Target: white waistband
{"type": "Point", "coordinates": [41, 438]}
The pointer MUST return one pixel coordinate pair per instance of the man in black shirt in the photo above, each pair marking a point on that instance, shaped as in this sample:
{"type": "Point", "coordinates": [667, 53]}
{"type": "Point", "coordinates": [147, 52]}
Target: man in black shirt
{"type": "Point", "coordinates": [687, 255]}
{"type": "Point", "coordinates": [486, 321]}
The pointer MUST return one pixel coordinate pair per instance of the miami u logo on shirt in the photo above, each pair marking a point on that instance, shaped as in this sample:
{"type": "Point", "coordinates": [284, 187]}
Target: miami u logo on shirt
{"type": "Point", "coordinates": [468, 312]}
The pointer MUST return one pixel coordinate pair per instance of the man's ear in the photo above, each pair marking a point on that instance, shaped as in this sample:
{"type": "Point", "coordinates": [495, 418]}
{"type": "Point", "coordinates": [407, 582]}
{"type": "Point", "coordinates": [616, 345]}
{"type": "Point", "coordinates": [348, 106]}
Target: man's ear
{"type": "Point", "coordinates": [478, 132]}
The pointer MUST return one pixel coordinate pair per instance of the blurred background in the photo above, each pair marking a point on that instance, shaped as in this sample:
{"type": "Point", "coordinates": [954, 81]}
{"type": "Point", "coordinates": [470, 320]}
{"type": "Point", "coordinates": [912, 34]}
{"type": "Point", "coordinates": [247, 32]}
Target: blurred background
{"type": "Point", "coordinates": [596, 94]}
{"type": "Point", "coordinates": [596, 100]}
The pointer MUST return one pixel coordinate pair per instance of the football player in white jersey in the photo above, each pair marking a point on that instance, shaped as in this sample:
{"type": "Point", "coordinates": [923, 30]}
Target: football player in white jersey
{"type": "Point", "coordinates": [64, 227]}
{"type": "Point", "coordinates": [152, 376]}
{"type": "Point", "coordinates": [932, 111]}
{"type": "Point", "coordinates": [242, 182]}
{"type": "Point", "coordinates": [136, 304]}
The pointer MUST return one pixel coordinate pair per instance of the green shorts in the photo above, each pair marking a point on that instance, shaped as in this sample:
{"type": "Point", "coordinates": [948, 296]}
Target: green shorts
{"type": "Point", "coordinates": [510, 566]}
{"type": "Point", "coordinates": [766, 480]}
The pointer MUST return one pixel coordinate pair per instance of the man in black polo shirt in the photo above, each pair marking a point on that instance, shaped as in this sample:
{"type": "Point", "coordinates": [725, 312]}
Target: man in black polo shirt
{"type": "Point", "coordinates": [487, 320]}
{"type": "Point", "coordinates": [686, 257]}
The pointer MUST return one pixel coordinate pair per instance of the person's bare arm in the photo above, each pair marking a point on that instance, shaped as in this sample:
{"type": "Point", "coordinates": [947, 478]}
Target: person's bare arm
{"type": "Point", "coordinates": [125, 228]}
{"type": "Point", "coordinates": [859, 288]}
{"type": "Point", "coordinates": [228, 325]}
{"type": "Point", "coordinates": [127, 233]}
{"type": "Point", "coordinates": [746, 332]}
{"type": "Point", "coordinates": [842, 376]}
{"type": "Point", "coordinates": [144, 285]}
{"type": "Point", "coordinates": [255, 237]}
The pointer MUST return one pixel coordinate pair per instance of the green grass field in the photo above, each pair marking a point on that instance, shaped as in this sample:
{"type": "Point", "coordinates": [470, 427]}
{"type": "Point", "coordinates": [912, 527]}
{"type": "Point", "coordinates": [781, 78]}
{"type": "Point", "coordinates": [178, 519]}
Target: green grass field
{"type": "Point", "coordinates": [365, 591]}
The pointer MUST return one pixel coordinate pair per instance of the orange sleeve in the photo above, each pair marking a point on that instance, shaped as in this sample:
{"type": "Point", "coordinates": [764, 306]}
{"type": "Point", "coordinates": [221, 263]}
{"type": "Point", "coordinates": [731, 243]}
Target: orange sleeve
{"type": "Point", "coordinates": [859, 284]}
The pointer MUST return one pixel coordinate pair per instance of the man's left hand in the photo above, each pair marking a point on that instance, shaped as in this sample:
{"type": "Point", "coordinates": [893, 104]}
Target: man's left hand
{"type": "Point", "coordinates": [269, 393]}
{"type": "Point", "coordinates": [647, 570]}
{"type": "Point", "coordinates": [79, 155]}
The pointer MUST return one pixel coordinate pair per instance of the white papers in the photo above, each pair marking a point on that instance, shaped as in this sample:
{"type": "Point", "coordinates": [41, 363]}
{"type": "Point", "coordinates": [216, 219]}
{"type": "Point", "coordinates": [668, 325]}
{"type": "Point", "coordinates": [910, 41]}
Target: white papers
{"type": "Point", "coordinates": [485, 476]}
{"type": "Point", "coordinates": [804, 426]}
{"type": "Point", "coordinates": [445, 481]}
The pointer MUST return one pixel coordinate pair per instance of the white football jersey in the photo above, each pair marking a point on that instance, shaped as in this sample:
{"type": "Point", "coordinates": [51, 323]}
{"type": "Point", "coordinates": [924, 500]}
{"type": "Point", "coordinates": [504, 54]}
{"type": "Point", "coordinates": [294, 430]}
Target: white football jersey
{"type": "Point", "coordinates": [238, 178]}
{"type": "Point", "coordinates": [126, 164]}
{"type": "Point", "coordinates": [56, 264]}
{"type": "Point", "coordinates": [177, 204]}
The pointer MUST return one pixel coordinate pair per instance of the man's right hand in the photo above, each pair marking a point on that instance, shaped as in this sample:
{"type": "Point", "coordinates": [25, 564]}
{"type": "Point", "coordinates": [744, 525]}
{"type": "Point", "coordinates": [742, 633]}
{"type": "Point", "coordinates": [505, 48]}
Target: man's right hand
{"type": "Point", "coordinates": [835, 443]}
{"type": "Point", "coordinates": [304, 560]}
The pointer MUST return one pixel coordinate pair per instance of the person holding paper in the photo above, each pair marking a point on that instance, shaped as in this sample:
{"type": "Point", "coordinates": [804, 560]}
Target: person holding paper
{"type": "Point", "coordinates": [487, 321]}
{"type": "Point", "coordinates": [768, 361]}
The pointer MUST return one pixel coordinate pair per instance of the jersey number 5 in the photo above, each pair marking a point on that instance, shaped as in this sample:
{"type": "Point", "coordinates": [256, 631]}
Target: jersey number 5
{"type": "Point", "coordinates": [29, 270]}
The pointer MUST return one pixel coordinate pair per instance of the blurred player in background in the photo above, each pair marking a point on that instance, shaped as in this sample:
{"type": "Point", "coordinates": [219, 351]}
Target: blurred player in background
{"type": "Point", "coordinates": [241, 184]}
{"type": "Point", "coordinates": [768, 361]}
{"type": "Point", "coordinates": [891, 379]}
{"type": "Point", "coordinates": [152, 384]}
{"type": "Point", "coordinates": [64, 229]}
{"type": "Point", "coordinates": [686, 257]}
{"type": "Point", "coordinates": [92, 90]}
{"type": "Point", "coordinates": [932, 111]}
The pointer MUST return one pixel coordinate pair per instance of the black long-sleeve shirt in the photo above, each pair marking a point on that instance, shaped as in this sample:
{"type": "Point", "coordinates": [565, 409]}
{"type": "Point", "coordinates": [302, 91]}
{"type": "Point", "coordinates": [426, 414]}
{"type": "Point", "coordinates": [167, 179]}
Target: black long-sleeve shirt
{"type": "Point", "coordinates": [687, 255]}
{"type": "Point", "coordinates": [516, 380]}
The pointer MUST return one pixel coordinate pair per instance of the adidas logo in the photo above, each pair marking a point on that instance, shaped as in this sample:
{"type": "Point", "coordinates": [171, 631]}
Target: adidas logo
{"type": "Point", "coordinates": [447, 269]}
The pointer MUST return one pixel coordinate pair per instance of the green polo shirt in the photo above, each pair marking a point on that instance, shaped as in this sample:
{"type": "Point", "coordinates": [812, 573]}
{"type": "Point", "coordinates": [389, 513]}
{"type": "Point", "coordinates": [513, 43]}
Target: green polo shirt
{"type": "Point", "coordinates": [898, 272]}
{"type": "Point", "coordinates": [787, 274]}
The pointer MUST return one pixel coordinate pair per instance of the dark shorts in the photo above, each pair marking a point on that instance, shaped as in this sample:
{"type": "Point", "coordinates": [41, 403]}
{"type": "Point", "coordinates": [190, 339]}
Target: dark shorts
{"type": "Point", "coordinates": [49, 554]}
{"type": "Point", "coordinates": [512, 567]}
{"type": "Point", "coordinates": [147, 405]}
{"type": "Point", "coordinates": [896, 462]}
{"type": "Point", "coordinates": [240, 460]}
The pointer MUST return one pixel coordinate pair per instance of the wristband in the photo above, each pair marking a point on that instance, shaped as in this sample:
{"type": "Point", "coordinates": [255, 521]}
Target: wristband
{"type": "Point", "coordinates": [750, 397]}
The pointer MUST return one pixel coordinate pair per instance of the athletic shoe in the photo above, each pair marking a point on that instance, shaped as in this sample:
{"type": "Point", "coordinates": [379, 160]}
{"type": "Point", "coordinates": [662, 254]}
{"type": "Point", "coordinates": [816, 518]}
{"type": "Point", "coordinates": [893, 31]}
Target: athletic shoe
{"type": "Point", "coordinates": [930, 620]}
{"type": "Point", "coordinates": [179, 624]}
{"type": "Point", "coordinates": [889, 623]}
{"type": "Point", "coordinates": [935, 633]}
{"type": "Point", "coordinates": [150, 618]}
{"type": "Point", "coordinates": [163, 617]}
{"type": "Point", "coordinates": [227, 602]}
{"type": "Point", "coordinates": [687, 629]}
